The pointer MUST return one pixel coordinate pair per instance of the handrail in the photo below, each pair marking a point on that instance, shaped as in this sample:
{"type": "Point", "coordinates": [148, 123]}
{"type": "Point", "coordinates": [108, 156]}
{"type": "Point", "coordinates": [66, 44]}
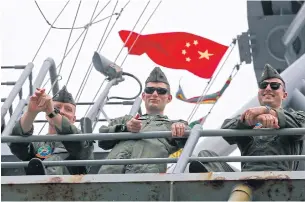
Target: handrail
{"type": "Point", "coordinates": [87, 121]}
{"type": "Point", "coordinates": [16, 89]}
{"type": "Point", "coordinates": [157, 160]}
{"type": "Point", "coordinates": [47, 66]}
{"type": "Point", "coordinates": [295, 27]}
{"type": "Point", "coordinates": [152, 134]}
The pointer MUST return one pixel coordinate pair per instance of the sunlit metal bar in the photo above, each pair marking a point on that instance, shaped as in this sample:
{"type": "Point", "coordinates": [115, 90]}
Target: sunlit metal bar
{"type": "Point", "coordinates": [249, 158]}
{"type": "Point", "coordinates": [107, 103]}
{"type": "Point", "coordinates": [188, 149]}
{"type": "Point", "coordinates": [152, 134]}
{"type": "Point", "coordinates": [295, 27]}
{"type": "Point", "coordinates": [93, 162]}
{"type": "Point", "coordinates": [136, 106]}
{"type": "Point", "coordinates": [16, 89]}
{"type": "Point", "coordinates": [87, 121]}
{"type": "Point", "coordinates": [47, 66]}
{"type": "Point", "coordinates": [157, 160]}
{"type": "Point", "coordinates": [77, 120]}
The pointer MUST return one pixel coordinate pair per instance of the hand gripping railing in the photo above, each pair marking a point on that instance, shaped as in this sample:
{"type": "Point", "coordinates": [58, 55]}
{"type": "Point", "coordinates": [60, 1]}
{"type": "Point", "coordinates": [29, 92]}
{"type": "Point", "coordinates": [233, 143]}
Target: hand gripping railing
{"type": "Point", "coordinates": [48, 65]}
{"type": "Point", "coordinates": [159, 134]}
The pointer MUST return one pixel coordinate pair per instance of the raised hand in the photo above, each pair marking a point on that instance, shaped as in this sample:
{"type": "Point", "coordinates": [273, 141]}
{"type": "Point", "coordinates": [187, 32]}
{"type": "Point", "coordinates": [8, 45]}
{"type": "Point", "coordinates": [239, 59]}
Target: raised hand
{"type": "Point", "coordinates": [33, 105]}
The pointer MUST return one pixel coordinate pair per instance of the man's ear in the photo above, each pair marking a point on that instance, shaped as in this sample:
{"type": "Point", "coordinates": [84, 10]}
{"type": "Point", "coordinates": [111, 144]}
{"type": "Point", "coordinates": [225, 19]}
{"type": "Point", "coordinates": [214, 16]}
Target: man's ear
{"type": "Point", "coordinates": [74, 119]}
{"type": "Point", "coordinates": [285, 95]}
{"type": "Point", "coordinates": [169, 99]}
{"type": "Point", "coordinates": [143, 96]}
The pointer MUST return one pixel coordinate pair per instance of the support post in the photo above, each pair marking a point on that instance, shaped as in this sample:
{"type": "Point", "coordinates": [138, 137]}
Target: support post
{"type": "Point", "coordinates": [87, 121]}
{"type": "Point", "coordinates": [188, 149]}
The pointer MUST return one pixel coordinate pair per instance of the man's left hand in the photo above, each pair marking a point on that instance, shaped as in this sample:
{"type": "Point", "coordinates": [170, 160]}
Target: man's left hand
{"type": "Point", "coordinates": [250, 115]}
{"type": "Point", "coordinates": [178, 129]}
{"type": "Point", "coordinates": [46, 102]}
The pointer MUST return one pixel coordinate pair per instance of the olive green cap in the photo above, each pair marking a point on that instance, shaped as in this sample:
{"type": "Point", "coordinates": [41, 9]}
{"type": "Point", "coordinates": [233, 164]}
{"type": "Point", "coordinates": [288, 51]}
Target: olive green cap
{"type": "Point", "coordinates": [269, 73]}
{"type": "Point", "coordinates": [64, 96]}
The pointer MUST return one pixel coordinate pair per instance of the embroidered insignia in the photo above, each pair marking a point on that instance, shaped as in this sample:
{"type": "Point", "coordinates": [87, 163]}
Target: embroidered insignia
{"type": "Point", "coordinates": [44, 152]}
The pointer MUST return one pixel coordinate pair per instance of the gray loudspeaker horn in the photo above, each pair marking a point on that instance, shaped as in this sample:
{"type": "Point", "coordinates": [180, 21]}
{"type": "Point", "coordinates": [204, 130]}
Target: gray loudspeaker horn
{"type": "Point", "coordinates": [106, 67]}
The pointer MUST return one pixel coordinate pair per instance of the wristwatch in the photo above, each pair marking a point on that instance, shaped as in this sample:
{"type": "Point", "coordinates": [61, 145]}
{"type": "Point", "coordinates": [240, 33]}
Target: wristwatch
{"type": "Point", "coordinates": [54, 113]}
{"type": "Point", "coordinates": [268, 109]}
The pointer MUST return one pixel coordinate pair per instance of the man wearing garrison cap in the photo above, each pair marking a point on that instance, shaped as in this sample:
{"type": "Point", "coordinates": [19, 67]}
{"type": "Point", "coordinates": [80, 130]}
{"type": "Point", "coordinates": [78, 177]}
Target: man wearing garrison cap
{"type": "Point", "coordinates": [269, 115]}
{"type": "Point", "coordinates": [155, 96]}
{"type": "Point", "coordinates": [60, 114]}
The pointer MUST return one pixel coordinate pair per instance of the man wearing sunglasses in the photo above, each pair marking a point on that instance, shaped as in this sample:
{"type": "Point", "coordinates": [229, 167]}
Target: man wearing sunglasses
{"type": "Point", "coordinates": [155, 96]}
{"type": "Point", "coordinates": [269, 115]}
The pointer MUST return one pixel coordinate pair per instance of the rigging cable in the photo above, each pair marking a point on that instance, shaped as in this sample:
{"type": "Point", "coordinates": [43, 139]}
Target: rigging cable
{"type": "Point", "coordinates": [235, 67]}
{"type": "Point", "coordinates": [131, 32]}
{"type": "Point", "coordinates": [140, 32]}
{"type": "Point", "coordinates": [207, 87]}
{"type": "Point", "coordinates": [81, 45]}
{"type": "Point", "coordinates": [70, 36]}
{"type": "Point", "coordinates": [83, 27]}
{"type": "Point", "coordinates": [49, 28]}
{"type": "Point", "coordinates": [73, 46]}
{"type": "Point", "coordinates": [131, 75]}
{"type": "Point", "coordinates": [89, 69]}
{"type": "Point", "coordinates": [76, 57]}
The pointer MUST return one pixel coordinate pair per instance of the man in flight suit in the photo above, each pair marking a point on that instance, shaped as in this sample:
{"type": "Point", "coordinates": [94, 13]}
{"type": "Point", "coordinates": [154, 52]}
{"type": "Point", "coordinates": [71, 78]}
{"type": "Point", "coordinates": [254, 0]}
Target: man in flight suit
{"type": "Point", "coordinates": [60, 113]}
{"type": "Point", "coordinates": [156, 96]}
{"type": "Point", "coordinates": [269, 115]}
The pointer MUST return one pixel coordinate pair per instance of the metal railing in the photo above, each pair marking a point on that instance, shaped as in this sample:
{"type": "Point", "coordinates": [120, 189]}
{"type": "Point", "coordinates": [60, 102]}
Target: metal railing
{"type": "Point", "coordinates": [181, 162]}
{"type": "Point", "coordinates": [16, 89]}
{"type": "Point", "coordinates": [48, 66]}
{"type": "Point", "coordinates": [292, 33]}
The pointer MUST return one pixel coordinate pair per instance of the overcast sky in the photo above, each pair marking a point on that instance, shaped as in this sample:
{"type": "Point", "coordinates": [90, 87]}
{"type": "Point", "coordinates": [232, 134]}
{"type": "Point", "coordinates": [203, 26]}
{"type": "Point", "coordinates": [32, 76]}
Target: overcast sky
{"type": "Point", "coordinates": [24, 29]}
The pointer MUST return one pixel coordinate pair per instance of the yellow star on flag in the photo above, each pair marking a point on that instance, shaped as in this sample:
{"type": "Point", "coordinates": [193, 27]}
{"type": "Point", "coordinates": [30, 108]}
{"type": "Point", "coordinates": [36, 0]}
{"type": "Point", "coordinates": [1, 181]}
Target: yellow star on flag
{"type": "Point", "coordinates": [205, 54]}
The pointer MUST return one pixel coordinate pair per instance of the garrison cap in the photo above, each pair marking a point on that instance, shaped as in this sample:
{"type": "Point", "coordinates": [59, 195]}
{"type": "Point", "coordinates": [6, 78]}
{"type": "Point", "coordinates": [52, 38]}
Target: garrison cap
{"type": "Point", "coordinates": [64, 96]}
{"type": "Point", "coordinates": [157, 75]}
{"type": "Point", "coordinates": [269, 73]}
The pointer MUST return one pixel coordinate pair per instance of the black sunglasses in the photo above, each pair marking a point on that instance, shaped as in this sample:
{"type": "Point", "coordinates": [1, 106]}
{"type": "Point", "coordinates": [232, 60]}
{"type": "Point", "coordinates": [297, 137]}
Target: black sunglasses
{"type": "Point", "coordinates": [273, 85]}
{"type": "Point", "coordinates": [151, 90]}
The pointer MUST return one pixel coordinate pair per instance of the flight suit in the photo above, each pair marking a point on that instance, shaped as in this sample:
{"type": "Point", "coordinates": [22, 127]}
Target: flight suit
{"type": "Point", "coordinates": [141, 148]}
{"type": "Point", "coordinates": [54, 151]}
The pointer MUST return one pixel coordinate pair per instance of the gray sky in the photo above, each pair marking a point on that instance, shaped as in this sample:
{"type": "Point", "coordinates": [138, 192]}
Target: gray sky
{"type": "Point", "coordinates": [24, 29]}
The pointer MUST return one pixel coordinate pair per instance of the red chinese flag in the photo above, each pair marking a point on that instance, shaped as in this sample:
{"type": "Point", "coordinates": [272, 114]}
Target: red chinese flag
{"type": "Point", "coordinates": [177, 50]}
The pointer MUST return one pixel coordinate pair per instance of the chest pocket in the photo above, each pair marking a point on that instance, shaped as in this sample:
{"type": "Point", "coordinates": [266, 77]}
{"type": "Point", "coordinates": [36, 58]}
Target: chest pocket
{"type": "Point", "coordinates": [156, 125]}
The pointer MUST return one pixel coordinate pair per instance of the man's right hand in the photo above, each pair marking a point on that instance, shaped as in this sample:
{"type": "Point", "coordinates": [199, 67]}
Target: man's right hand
{"type": "Point", "coordinates": [250, 115]}
{"type": "Point", "coordinates": [268, 121]}
{"type": "Point", "coordinates": [33, 106]}
{"type": "Point", "coordinates": [134, 125]}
